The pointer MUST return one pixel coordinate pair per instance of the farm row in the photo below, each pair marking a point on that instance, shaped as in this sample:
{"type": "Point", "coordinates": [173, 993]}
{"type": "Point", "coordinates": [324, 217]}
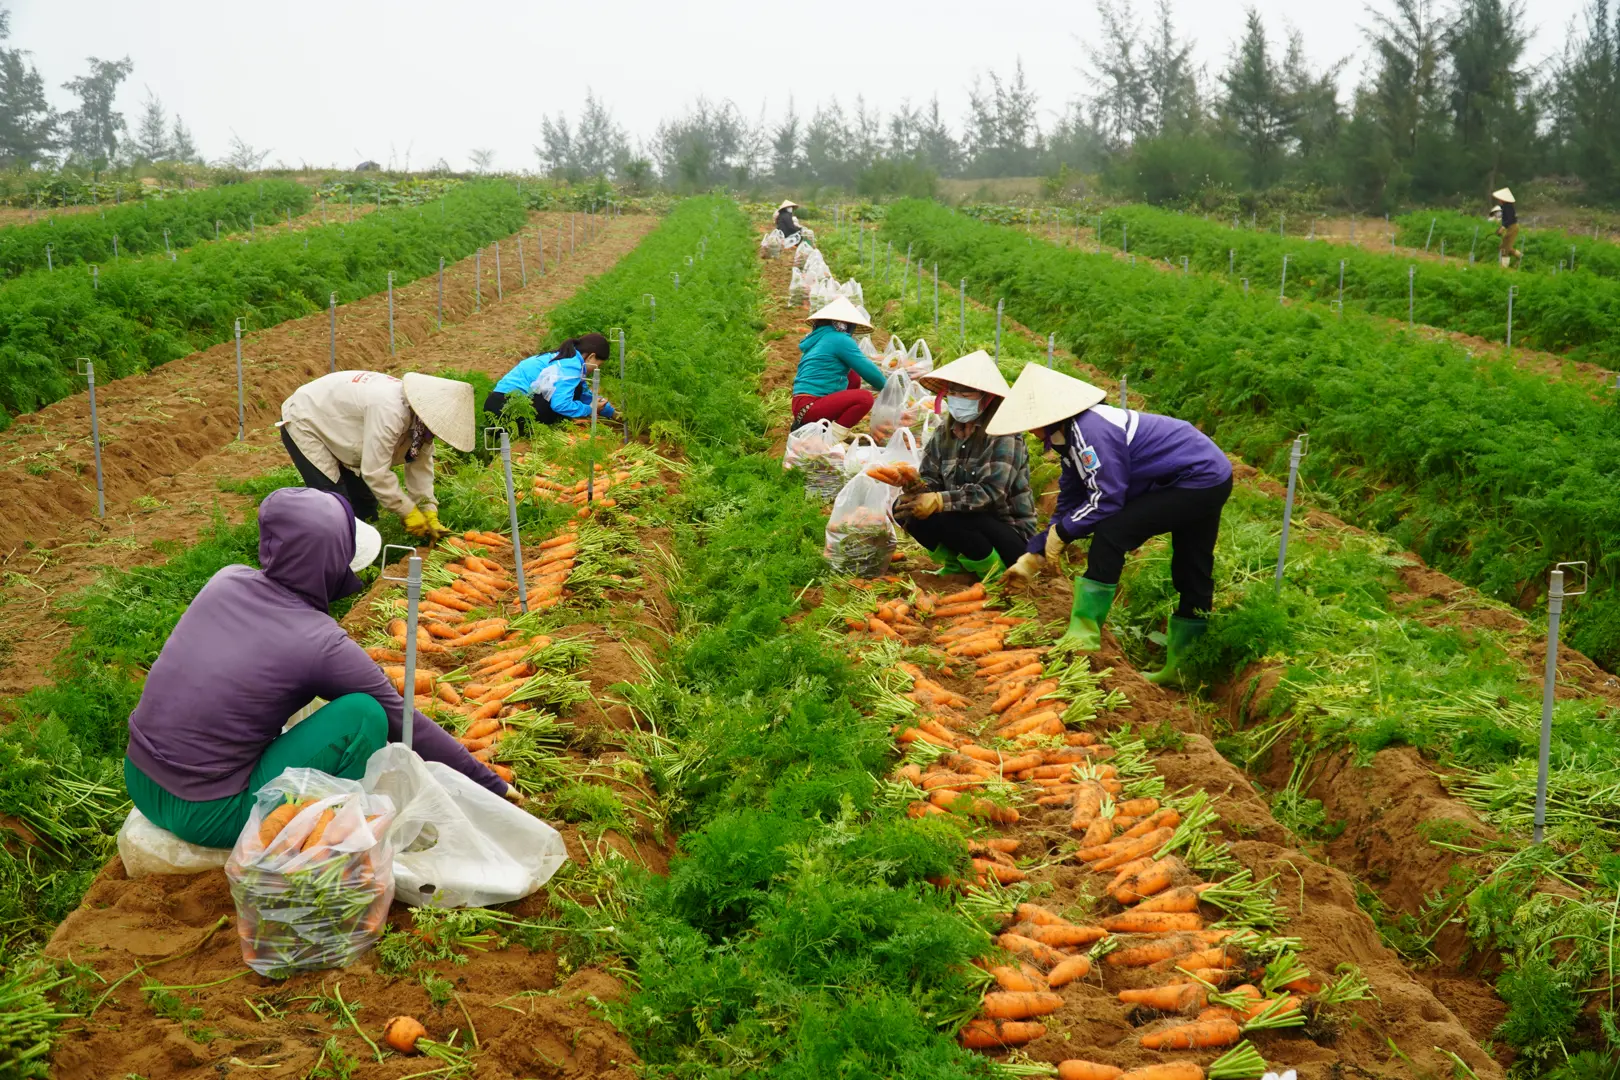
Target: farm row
{"type": "Point", "coordinates": [1546, 251]}
{"type": "Point", "coordinates": [1362, 653]}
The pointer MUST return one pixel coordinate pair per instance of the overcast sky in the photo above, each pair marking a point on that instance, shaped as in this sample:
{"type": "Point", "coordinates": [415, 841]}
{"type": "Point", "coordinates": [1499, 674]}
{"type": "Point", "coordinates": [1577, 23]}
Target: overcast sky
{"type": "Point", "coordinates": [337, 81]}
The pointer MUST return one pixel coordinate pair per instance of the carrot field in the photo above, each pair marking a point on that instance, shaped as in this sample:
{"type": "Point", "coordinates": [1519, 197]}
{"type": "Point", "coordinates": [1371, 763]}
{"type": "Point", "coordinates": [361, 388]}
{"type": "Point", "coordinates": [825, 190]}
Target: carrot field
{"type": "Point", "coordinates": [822, 825]}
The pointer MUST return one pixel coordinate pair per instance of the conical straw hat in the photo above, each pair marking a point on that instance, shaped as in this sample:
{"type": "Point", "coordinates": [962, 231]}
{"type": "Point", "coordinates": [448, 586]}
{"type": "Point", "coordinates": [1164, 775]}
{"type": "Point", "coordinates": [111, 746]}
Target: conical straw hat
{"type": "Point", "coordinates": [843, 310]}
{"type": "Point", "coordinates": [1505, 194]}
{"type": "Point", "coordinates": [787, 204]}
{"type": "Point", "coordinates": [445, 406]}
{"type": "Point", "coordinates": [1042, 397]}
{"type": "Point", "coordinates": [976, 371]}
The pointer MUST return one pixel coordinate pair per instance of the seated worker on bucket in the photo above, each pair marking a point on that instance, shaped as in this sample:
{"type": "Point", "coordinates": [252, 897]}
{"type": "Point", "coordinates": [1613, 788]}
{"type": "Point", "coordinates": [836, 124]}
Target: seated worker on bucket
{"type": "Point", "coordinates": [558, 382]}
{"type": "Point", "coordinates": [827, 385]}
{"type": "Point", "coordinates": [251, 650]}
{"type": "Point", "coordinates": [786, 223]}
{"type": "Point", "coordinates": [347, 431]}
{"type": "Point", "coordinates": [972, 506]}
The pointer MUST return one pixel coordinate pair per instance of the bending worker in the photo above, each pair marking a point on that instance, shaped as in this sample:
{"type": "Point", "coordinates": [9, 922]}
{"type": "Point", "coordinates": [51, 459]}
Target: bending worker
{"type": "Point", "coordinates": [786, 223]}
{"type": "Point", "coordinates": [972, 507]}
{"type": "Point", "coordinates": [1127, 476]}
{"type": "Point", "coordinates": [251, 650]}
{"type": "Point", "coordinates": [346, 432]}
{"type": "Point", "coordinates": [827, 385]}
{"type": "Point", "coordinates": [557, 382]}
{"type": "Point", "coordinates": [1508, 229]}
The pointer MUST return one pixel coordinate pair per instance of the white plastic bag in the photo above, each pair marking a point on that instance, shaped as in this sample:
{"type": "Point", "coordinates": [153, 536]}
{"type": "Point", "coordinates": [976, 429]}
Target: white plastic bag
{"type": "Point", "coordinates": [863, 451]}
{"type": "Point", "coordinates": [458, 844]}
{"type": "Point", "coordinates": [866, 346]}
{"type": "Point", "coordinates": [147, 849]}
{"type": "Point", "coordinates": [815, 263]}
{"type": "Point", "coordinates": [889, 410]}
{"type": "Point", "coordinates": [798, 288]}
{"type": "Point", "coordinates": [852, 289]}
{"type": "Point", "coordinates": [801, 255]}
{"type": "Point", "coordinates": [815, 450]}
{"type": "Point", "coordinates": [313, 893]}
{"type": "Point", "coordinates": [771, 245]}
{"type": "Point", "coordinates": [860, 533]}
{"type": "Point", "coordinates": [893, 356]}
{"type": "Point", "coordinates": [919, 359]}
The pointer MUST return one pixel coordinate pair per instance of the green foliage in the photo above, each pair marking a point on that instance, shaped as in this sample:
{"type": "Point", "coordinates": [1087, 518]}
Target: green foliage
{"type": "Point", "coordinates": [188, 217]}
{"type": "Point", "coordinates": [150, 311]}
{"type": "Point", "coordinates": [1542, 1009]}
{"type": "Point", "coordinates": [1543, 249]}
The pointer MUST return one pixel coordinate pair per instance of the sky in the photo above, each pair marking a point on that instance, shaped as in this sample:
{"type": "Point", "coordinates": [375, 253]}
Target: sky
{"type": "Point", "coordinates": [408, 82]}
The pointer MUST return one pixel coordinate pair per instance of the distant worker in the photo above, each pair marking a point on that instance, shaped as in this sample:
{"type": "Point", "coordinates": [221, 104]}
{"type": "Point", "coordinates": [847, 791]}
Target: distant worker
{"type": "Point", "coordinates": [827, 385]}
{"type": "Point", "coordinates": [972, 508]}
{"type": "Point", "coordinates": [558, 382]}
{"type": "Point", "coordinates": [253, 649]}
{"type": "Point", "coordinates": [786, 223]}
{"type": "Point", "coordinates": [1127, 476]}
{"type": "Point", "coordinates": [347, 431]}
{"type": "Point", "coordinates": [1508, 226]}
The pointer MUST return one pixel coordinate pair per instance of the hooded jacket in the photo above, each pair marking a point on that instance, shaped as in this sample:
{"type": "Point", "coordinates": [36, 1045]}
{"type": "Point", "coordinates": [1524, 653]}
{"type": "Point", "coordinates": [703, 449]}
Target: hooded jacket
{"type": "Point", "coordinates": [827, 356]}
{"type": "Point", "coordinates": [254, 647]}
{"type": "Point", "coordinates": [561, 382]}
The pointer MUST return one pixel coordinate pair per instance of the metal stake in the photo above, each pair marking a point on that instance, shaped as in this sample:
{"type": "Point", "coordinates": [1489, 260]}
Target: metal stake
{"type": "Point", "coordinates": [478, 280]}
{"type": "Point", "coordinates": [500, 292]}
{"type": "Point", "coordinates": [115, 247]}
{"type": "Point", "coordinates": [89, 372]}
{"type": "Point", "coordinates": [49, 266]}
{"type": "Point", "coordinates": [413, 600]}
{"type": "Point", "coordinates": [1051, 347]}
{"type": "Point", "coordinates": [166, 248]}
{"type": "Point", "coordinates": [1294, 454]}
{"type": "Point", "coordinates": [571, 232]}
{"type": "Point", "coordinates": [241, 407]}
{"type": "Point", "coordinates": [1341, 286]}
{"type": "Point", "coordinates": [512, 515]}
{"type": "Point", "coordinates": [523, 271]}
{"type": "Point", "coordinates": [540, 244]}
{"type": "Point", "coordinates": [596, 405]}
{"type": "Point", "coordinates": [1411, 301]}
{"type": "Point", "coordinates": [999, 304]}
{"type": "Point", "coordinates": [1231, 261]}
{"type": "Point", "coordinates": [1555, 609]}
{"type": "Point", "coordinates": [390, 313]}
{"type": "Point", "coordinates": [625, 424]}
{"type": "Point", "coordinates": [1512, 289]}
{"type": "Point", "coordinates": [95, 277]}
{"type": "Point", "coordinates": [1282, 293]}
{"type": "Point", "coordinates": [1428, 239]}
{"type": "Point", "coordinates": [1124, 402]}
{"type": "Point", "coordinates": [1125, 239]}
{"type": "Point", "coordinates": [441, 292]}
{"type": "Point", "coordinates": [936, 298]}
{"type": "Point", "coordinates": [331, 307]}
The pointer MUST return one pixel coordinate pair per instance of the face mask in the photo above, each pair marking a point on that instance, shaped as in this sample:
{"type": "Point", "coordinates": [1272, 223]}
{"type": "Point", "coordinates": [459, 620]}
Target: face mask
{"type": "Point", "coordinates": [963, 409]}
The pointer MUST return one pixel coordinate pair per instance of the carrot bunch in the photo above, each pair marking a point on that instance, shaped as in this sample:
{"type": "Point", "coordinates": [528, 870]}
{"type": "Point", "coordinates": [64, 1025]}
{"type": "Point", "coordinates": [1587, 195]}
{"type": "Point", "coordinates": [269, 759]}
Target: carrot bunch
{"type": "Point", "coordinates": [584, 494]}
{"type": "Point", "coordinates": [900, 474]}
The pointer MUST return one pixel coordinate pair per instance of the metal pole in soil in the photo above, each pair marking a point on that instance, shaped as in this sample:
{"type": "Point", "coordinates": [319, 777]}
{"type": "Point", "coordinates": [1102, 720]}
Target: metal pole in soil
{"type": "Point", "coordinates": [1125, 239]}
{"type": "Point", "coordinates": [523, 270]}
{"type": "Point", "coordinates": [1341, 286]}
{"type": "Point", "coordinates": [1512, 289]}
{"type": "Point", "coordinates": [1098, 233]}
{"type": "Point", "coordinates": [1282, 293]}
{"type": "Point", "coordinates": [936, 298]}
{"type": "Point", "coordinates": [1555, 608]}
{"type": "Point", "coordinates": [216, 228]}
{"type": "Point", "coordinates": [331, 307]}
{"type": "Point", "coordinates": [95, 277]}
{"type": "Point", "coordinates": [166, 249]}
{"type": "Point", "coordinates": [390, 313]}
{"type": "Point", "coordinates": [540, 245]}
{"type": "Point", "coordinates": [999, 305]}
{"type": "Point", "coordinates": [1442, 249]}
{"type": "Point", "coordinates": [441, 293]}
{"type": "Point", "coordinates": [888, 262]}
{"type": "Point", "coordinates": [1124, 400]}
{"type": "Point", "coordinates": [49, 266]}
{"type": "Point", "coordinates": [1245, 286]}
{"type": "Point", "coordinates": [115, 247]}
{"type": "Point", "coordinates": [1184, 266]}
{"type": "Point", "coordinates": [622, 421]}
{"type": "Point", "coordinates": [500, 292]}
{"type": "Point", "coordinates": [512, 515]}
{"type": "Point", "coordinates": [89, 372]}
{"type": "Point", "coordinates": [1411, 297]}
{"type": "Point", "coordinates": [413, 598]}
{"type": "Point", "coordinates": [252, 228]}
{"type": "Point", "coordinates": [573, 229]}
{"type": "Point", "coordinates": [1427, 240]}
{"type": "Point", "coordinates": [1282, 229]}
{"type": "Point", "coordinates": [1051, 347]}
{"type": "Point", "coordinates": [478, 280]}
{"type": "Point", "coordinates": [596, 399]}
{"type": "Point", "coordinates": [241, 407]}
{"type": "Point", "coordinates": [652, 307]}
{"type": "Point", "coordinates": [961, 295]}
{"type": "Point", "coordinates": [1231, 261]}
{"type": "Point", "coordinates": [1294, 454]}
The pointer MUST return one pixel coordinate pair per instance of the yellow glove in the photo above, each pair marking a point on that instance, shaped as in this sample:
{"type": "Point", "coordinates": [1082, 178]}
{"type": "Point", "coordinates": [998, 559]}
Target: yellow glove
{"type": "Point", "coordinates": [416, 524]}
{"type": "Point", "coordinates": [1054, 543]}
{"type": "Point", "coordinates": [925, 505]}
{"type": "Point", "coordinates": [436, 529]}
{"type": "Point", "coordinates": [1023, 571]}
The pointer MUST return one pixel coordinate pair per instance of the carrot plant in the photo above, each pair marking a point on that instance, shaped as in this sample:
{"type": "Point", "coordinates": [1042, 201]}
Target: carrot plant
{"type": "Point", "coordinates": [187, 217]}
{"type": "Point", "coordinates": [1543, 249]}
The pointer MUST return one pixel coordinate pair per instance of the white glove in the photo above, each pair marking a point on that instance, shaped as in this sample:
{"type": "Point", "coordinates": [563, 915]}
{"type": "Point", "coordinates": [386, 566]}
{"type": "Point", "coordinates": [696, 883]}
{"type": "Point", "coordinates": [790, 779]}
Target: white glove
{"type": "Point", "coordinates": [1054, 543]}
{"type": "Point", "coordinates": [1025, 569]}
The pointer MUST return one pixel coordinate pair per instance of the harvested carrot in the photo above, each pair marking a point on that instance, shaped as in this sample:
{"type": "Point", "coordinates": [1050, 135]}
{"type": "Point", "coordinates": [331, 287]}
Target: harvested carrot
{"type": "Point", "coordinates": [1040, 916]}
{"type": "Point", "coordinates": [881, 628]}
{"type": "Point", "coordinates": [990, 1034]}
{"type": "Point", "coordinates": [501, 771]}
{"type": "Point", "coordinates": [1153, 922]}
{"type": "Point", "coordinates": [1041, 723]}
{"type": "Point", "coordinates": [1139, 807]}
{"type": "Point", "coordinates": [1180, 899]}
{"type": "Point", "coordinates": [1000, 843]}
{"type": "Point", "coordinates": [1167, 818]}
{"type": "Point", "coordinates": [1067, 936]}
{"type": "Point", "coordinates": [481, 728]}
{"type": "Point", "coordinates": [1016, 981]}
{"type": "Point", "coordinates": [1075, 967]}
{"type": "Point", "coordinates": [948, 799]}
{"type": "Point", "coordinates": [1142, 845]}
{"type": "Point", "coordinates": [1174, 1070]}
{"type": "Point", "coordinates": [559, 540]}
{"type": "Point", "coordinates": [1009, 696]}
{"type": "Point", "coordinates": [446, 693]}
{"type": "Point", "coordinates": [485, 711]}
{"type": "Point", "coordinates": [319, 830]}
{"type": "Point", "coordinates": [1201, 1035]}
{"type": "Point", "coordinates": [384, 656]}
{"type": "Point", "coordinates": [976, 592]}
{"type": "Point", "coordinates": [1075, 1069]}
{"type": "Point", "coordinates": [424, 679]}
{"type": "Point", "coordinates": [973, 646]}
{"type": "Point", "coordinates": [441, 631]}
{"type": "Point", "coordinates": [1151, 953]}
{"type": "Point", "coordinates": [1026, 946]}
{"type": "Point", "coordinates": [1009, 1005]}
{"type": "Point", "coordinates": [449, 598]}
{"type": "Point", "coordinates": [1146, 880]}
{"type": "Point", "coordinates": [276, 820]}
{"type": "Point", "coordinates": [478, 636]}
{"type": "Point", "coordinates": [1003, 873]}
{"type": "Point", "coordinates": [1032, 700]}
{"type": "Point", "coordinates": [1177, 997]}
{"type": "Point", "coordinates": [402, 1032]}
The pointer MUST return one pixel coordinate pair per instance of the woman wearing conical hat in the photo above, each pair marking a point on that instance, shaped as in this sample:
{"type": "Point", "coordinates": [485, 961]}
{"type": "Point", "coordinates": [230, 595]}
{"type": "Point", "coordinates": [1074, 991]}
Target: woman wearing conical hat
{"type": "Point", "coordinates": [832, 367]}
{"type": "Point", "coordinates": [972, 506]}
{"type": "Point", "coordinates": [786, 223]}
{"type": "Point", "coordinates": [1507, 213]}
{"type": "Point", "coordinates": [347, 431]}
{"type": "Point", "coordinates": [1127, 476]}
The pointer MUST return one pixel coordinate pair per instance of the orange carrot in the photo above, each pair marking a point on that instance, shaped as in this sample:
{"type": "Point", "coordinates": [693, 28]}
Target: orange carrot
{"type": "Point", "coordinates": [501, 771]}
{"type": "Point", "coordinates": [1146, 955]}
{"type": "Point", "coordinates": [1034, 722]}
{"type": "Point", "coordinates": [1201, 1035]}
{"type": "Point", "coordinates": [1009, 696]}
{"type": "Point", "coordinates": [1025, 946]}
{"type": "Point", "coordinates": [1138, 807]}
{"type": "Point", "coordinates": [992, 1034]}
{"type": "Point", "coordinates": [1184, 898]}
{"type": "Point", "coordinates": [1174, 1070]}
{"type": "Point", "coordinates": [973, 647]}
{"type": "Point", "coordinates": [1075, 1069]}
{"type": "Point", "coordinates": [481, 728]}
{"type": "Point", "coordinates": [963, 597]}
{"type": "Point", "coordinates": [1000, 843]}
{"type": "Point", "coordinates": [424, 679]}
{"type": "Point", "coordinates": [911, 735]}
{"type": "Point", "coordinates": [948, 799]}
{"type": "Point", "coordinates": [449, 598]}
{"type": "Point", "coordinates": [1064, 937]}
{"type": "Point", "coordinates": [485, 710]}
{"type": "Point", "coordinates": [1177, 997]}
{"type": "Point", "coordinates": [446, 693]}
{"type": "Point", "coordinates": [1153, 922]}
{"type": "Point", "coordinates": [1004, 874]}
{"type": "Point", "coordinates": [319, 830]}
{"type": "Point", "coordinates": [1009, 1005]}
{"type": "Point", "coordinates": [1166, 818]}
{"type": "Point", "coordinates": [1040, 916]}
{"type": "Point", "coordinates": [440, 630]}
{"type": "Point", "coordinates": [881, 628]}
{"type": "Point", "coordinates": [558, 541]}
{"type": "Point", "coordinates": [478, 636]}
{"type": "Point", "coordinates": [1150, 878]}
{"type": "Point", "coordinates": [1031, 702]}
{"type": "Point", "coordinates": [1132, 849]}
{"type": "Point", "coordinates": [384, 656]}
{"type": "Point", "coordinates": [276, 820]}
{"type": "Point", "coordinates": [1012, 979]}
{"type": "Point", "coordinates": [1075, 967]}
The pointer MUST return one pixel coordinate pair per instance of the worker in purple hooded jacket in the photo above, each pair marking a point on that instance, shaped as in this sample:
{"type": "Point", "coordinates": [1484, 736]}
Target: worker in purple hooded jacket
{"type": "Point", "coordinates": [254, 648]}
{"type": "Point", "coordinates": [1127, 477]}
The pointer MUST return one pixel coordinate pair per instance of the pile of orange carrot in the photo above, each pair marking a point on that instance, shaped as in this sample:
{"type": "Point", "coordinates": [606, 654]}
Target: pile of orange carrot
{"type": "Point", "coordinates": [583, 494]}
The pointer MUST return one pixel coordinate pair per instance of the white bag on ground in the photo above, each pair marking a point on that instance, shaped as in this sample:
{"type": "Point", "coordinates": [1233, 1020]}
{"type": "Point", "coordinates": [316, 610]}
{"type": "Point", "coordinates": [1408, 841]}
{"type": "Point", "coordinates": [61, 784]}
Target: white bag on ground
{"type": "Point", "coordinates": [919, 359]}
{"type": "Point", "coordinates": [817, 451]}
{"type": "Point", "coordinates": [860, 534]}
{"type": "Point", "coordinates": [861, 453]}
{"type": "Point", "coordinates": [852, 289]}
{"type": "Point", "coordinates": [798, 287]}
{"type": "Point", "coordinates": [816, 263]}
{"type": "Point", "coordinates": [147, 849]}
{"type": "Point", "coordinates": [771, 245]}
{"type": "Point", "coordinates": [889, 410]}
{"type": "Point", "coordinates": [458, 844]}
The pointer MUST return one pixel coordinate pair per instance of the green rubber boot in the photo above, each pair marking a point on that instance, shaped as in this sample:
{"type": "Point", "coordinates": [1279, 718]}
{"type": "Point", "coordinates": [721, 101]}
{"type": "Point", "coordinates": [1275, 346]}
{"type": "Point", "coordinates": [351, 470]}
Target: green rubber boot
{"type": "Point", "coordinates": [1092, 599]}
{"type": "Point", "coordinates": [986, 569]}
{"type": "Point", "coordinates": [1179, 638]}
{"type": "Point", "coordinates": [948, 561]}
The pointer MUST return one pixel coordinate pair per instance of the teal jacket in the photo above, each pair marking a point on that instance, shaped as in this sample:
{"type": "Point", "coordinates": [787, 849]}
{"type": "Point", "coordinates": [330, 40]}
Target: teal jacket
{"type": "Point", "coordinates": [829, 355]}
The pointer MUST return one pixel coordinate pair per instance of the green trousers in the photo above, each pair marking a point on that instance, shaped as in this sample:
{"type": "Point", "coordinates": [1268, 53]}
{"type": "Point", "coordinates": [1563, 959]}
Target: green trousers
{"type": "Point", "coordinates": [337, 739]}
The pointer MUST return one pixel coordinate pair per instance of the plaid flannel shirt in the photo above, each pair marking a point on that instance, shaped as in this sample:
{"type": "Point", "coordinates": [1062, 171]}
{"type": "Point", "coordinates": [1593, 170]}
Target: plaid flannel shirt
{"type": "Point", "coordinates": [975, 472]}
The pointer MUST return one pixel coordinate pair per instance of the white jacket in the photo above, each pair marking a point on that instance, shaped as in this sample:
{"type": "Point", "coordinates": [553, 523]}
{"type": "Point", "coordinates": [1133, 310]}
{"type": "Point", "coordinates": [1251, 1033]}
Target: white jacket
{"type": "Point", "coordinates": [360, 419]}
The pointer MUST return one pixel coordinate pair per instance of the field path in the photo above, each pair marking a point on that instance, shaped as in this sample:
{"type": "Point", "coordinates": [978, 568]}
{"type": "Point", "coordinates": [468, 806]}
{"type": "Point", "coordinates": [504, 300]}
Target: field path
{"type": "Point", "coordinates": [169, 435]}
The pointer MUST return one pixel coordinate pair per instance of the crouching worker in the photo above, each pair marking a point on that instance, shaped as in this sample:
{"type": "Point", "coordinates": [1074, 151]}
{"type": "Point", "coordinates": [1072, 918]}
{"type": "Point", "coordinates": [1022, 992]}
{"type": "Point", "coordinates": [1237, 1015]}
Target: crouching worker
{"type": "Point", "coordinates": [251, 650]}
{"type": "Point", "coordinates": [347, 431]}
{"type": "Point", "coordinates": [558, 383]}
{"type": "Point", "coordinates": [1127, 477]}
{"type": "Point", "coordinates": [972, 507]}
{"type": "Point", "coordinates": [827, 384]}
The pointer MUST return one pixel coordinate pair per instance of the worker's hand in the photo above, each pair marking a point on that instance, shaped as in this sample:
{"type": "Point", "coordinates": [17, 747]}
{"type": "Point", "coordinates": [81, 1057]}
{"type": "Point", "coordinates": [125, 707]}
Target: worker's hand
{"type": "Point", "coordinates": [1024, 571]}
{"type": "Point", "coordinates": [416, 524]}
{"type": "Point", "coordinates": [514, 796]}
{"type": "Point", "coordinates": [924, 505]}
{"type": "Point", "coordinates": [436, 529]}
{"type": "Point", "coordinates": [1054, 543]}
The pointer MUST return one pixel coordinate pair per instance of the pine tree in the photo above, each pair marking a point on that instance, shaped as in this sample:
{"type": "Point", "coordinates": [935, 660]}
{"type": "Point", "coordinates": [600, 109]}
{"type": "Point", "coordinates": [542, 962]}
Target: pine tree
{"type": "Point", "coordinates": [151, 142]}
{"type": "Point", "coordinates": [182, 148]}
{"type": "Point", "coordinates": [95, 127]}
{"type": "Point", "coordinates": [1493, 118]}
{"type": "Point", "coordinates": [1584, 99]}
{"type": "Point", "coordinates": [785, 147]}
{"type": "Point", "coordinates": [28, 124]}
{"type": "Point", "coordinates": [1255, 109]}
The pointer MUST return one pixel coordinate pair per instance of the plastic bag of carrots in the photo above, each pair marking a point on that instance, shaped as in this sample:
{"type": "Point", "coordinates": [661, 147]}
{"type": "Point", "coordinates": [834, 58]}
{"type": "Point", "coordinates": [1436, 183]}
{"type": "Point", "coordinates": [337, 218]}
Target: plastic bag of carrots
{"type": "Point", "coordinates": [860, 534]}
{"type": "Point", "coordinates": [312, 874]}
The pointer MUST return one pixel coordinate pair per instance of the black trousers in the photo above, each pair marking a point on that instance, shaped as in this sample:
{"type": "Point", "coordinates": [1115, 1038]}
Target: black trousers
{"type": "Point", "coordinates": [969, 535]}
{"type": "Point", "coordinates": [348, 484]}
{"type": "Point", "coordinates": [543, 412]}
{"type": "Point", "coordinates": [1192, 517]}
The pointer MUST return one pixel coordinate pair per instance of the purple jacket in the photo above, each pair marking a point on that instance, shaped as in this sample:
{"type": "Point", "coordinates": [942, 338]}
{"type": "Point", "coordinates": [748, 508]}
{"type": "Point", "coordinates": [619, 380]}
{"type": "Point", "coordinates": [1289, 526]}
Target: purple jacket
{"type": "Point", "coordinates": [1111, 456]}
{"type": "Point", "coordinates": [254, 647]}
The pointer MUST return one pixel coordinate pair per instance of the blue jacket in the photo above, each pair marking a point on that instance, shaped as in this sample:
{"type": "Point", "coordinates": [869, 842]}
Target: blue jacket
{"type": "Point", "coordinates": [828, 356]}
{"type": "Point", "coordinates": [562, 383]}
{"type": "Point", "coordinates": [1111, 456]}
